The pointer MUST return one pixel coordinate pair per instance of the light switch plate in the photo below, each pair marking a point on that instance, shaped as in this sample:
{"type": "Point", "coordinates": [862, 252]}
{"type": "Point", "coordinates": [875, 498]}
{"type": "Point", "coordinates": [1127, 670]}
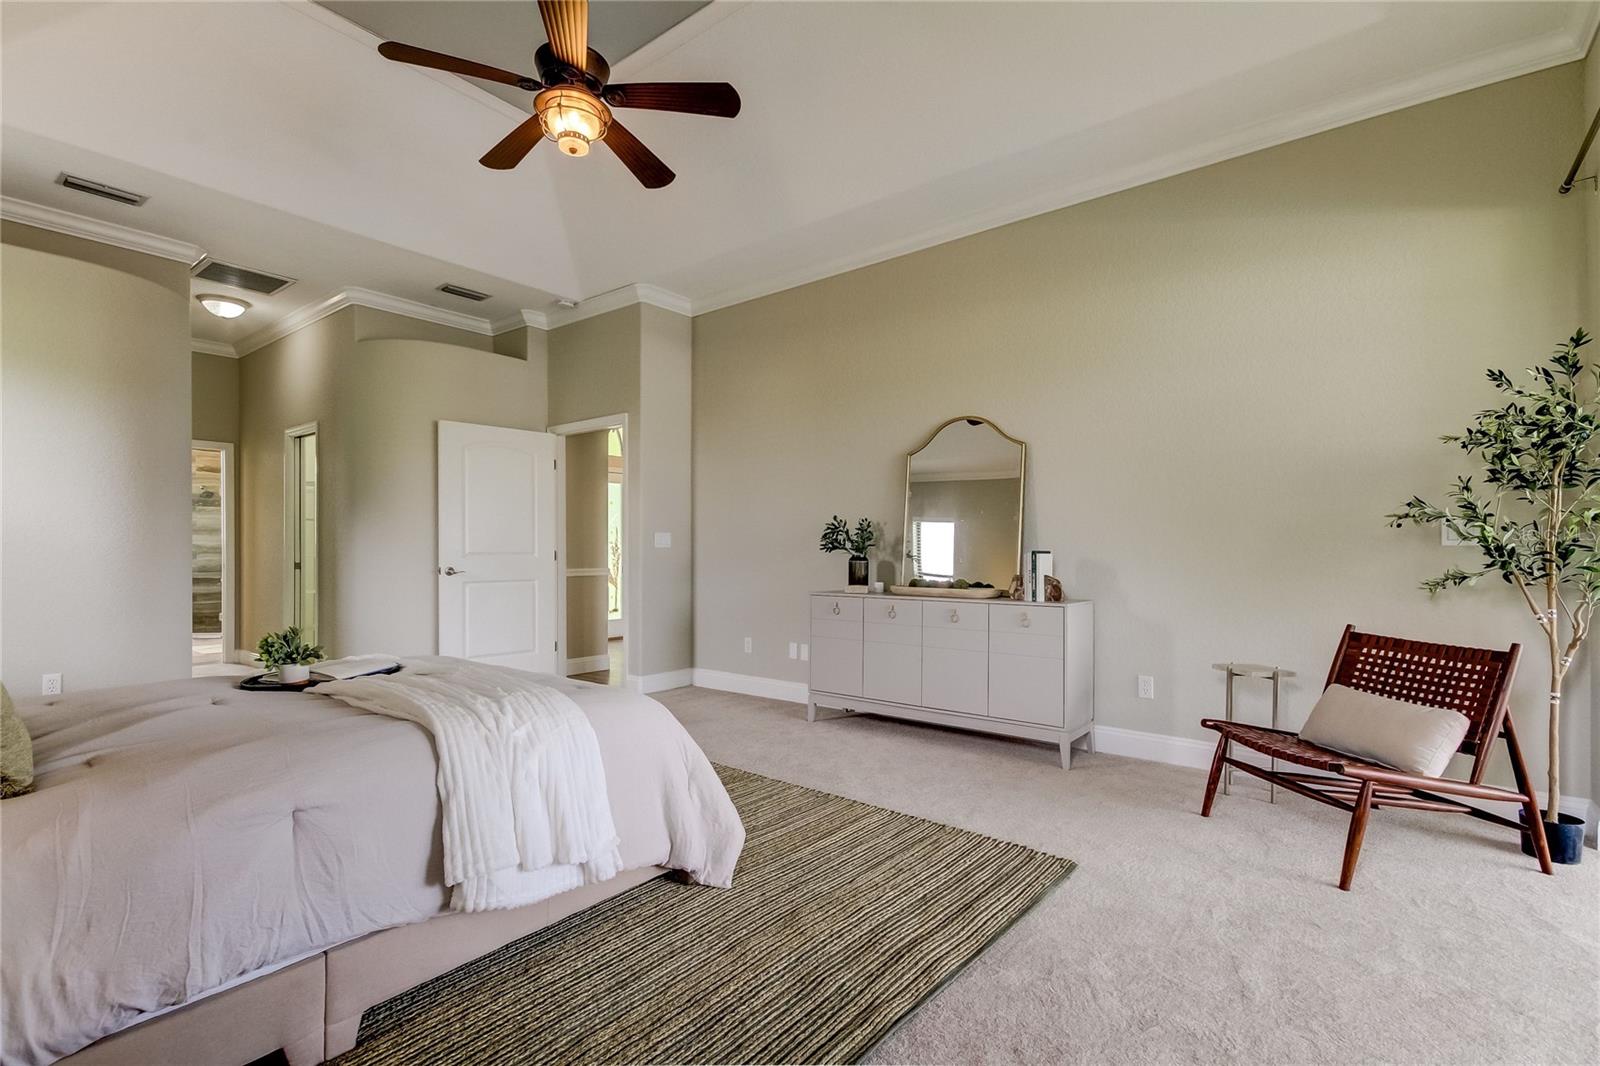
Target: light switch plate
{"type": "Point", "coordinates": [794, 650]}
{"type": "Point", "coordinates": [1147, 687]}
{"type": "Point", "coordinates": [805, 653]}
{"type": "Point", "coordinates": [663, 540]}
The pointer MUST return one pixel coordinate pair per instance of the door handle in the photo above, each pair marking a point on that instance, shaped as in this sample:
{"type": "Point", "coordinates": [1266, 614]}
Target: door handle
{"type": "Point", "coordinates": [451, 571]}
{"type": "Point", "coordinates": [955, 616]}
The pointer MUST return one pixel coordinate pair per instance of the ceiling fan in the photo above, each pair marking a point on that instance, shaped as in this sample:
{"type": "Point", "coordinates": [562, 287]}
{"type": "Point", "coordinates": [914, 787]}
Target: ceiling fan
{"type": "Point", "coordinates": [574, 101]}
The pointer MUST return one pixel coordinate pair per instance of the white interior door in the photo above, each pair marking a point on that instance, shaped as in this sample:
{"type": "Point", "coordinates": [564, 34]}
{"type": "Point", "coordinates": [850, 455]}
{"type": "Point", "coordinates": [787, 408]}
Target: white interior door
{"type": "Point", "coordinates": [497, 546]}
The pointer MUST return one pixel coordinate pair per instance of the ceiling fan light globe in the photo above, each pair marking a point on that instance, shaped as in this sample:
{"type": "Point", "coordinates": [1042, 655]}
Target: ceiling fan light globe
{"type": "Point", "coordinates": [572, 117]}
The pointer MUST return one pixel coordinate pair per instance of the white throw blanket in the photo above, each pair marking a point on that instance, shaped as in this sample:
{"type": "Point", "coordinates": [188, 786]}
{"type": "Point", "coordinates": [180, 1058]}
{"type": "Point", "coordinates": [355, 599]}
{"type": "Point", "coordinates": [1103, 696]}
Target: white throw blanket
{"type": "Point", "coordinates": [522, 787]}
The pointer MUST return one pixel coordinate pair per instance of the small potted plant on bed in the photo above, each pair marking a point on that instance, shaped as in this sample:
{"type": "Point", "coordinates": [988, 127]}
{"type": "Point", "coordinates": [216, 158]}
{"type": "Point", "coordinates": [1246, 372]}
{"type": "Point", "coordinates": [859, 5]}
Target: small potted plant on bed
{"type": "Point", "coordinates": [1538, 529]}
{"type": "Point", "coordinates": [289, 654]}
{"type": "Point", "coordinates": [837, 536]}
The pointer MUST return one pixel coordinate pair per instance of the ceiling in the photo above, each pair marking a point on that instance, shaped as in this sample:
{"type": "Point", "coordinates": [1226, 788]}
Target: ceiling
{"type": "Point", "coordinates": [272, 134]}
{"type": "Point", "coordinates": [504, 33]}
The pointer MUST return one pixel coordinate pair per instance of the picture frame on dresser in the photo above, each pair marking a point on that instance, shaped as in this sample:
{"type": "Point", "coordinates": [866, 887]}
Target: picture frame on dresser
{"type": "Point", "coordinates": [1018, 669]}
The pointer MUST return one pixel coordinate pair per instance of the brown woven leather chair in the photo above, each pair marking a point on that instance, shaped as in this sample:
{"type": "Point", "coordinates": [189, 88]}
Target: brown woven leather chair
{"type": "Point", "coordinates": [1473, 681]}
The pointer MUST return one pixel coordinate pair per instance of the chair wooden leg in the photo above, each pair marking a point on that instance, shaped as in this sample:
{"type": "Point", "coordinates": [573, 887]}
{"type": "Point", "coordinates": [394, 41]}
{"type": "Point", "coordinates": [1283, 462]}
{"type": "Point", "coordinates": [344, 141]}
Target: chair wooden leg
{"type": "Point", "coordinates": [1535, 817]}
{"type": "Point", "coordinates": [1358, 830]}
{"type": "Point", "coordinates": [1216, 776]}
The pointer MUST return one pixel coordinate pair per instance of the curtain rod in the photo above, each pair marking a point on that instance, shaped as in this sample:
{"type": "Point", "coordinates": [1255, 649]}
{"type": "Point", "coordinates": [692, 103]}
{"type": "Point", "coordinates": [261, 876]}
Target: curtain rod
{"type": "Point", "coordinates": [1583, 150]}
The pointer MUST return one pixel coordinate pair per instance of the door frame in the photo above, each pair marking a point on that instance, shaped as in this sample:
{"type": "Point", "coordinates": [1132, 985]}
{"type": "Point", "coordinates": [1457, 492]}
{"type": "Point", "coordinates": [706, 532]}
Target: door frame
{"type": "Point", "coordinates": [230, 501]}
{"type": "Point", "coordinates": [291, 519]}
{"type": "Point", "coordinates": [631, 547]}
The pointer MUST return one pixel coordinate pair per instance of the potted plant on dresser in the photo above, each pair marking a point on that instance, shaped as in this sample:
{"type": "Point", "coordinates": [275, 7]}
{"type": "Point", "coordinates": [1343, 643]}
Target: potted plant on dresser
{"type": "Point", "coordinates": [289, 654]}
{"type": "Point", "coordinates": [1537, 527]}
{"type": "Point", "coordinates": [838, 536]}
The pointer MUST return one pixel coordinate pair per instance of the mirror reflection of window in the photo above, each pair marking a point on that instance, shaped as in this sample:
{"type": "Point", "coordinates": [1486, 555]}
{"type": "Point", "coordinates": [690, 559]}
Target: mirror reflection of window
{"type": "Point", "coordinates": [964, 504]}
{"type": "Point", "coordinates": [936, 548]}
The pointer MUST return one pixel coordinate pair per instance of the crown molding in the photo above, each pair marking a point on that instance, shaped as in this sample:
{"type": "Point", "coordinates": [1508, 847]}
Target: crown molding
{"type": "Point", "coordinates": [518, 319]}
{"type": "Point", "coordinates": [92, 229]}
{"type": "Point", "coordinates": [615, 300]}
{"type": "Point", "coordinates": [1539, 53]}
{"type": "Point", "coordinates": [205, 347]}
{"type": "Point", "coordinates": [317, 310]}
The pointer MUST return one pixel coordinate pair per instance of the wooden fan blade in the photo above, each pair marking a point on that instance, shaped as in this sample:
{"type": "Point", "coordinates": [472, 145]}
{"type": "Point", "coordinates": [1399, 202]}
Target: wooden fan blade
{"type": "Point", "coordinates": [515, 147]}
{"type": "Point", "coordinates": [566, 23]}
{"type": "Point", "coordinates": [690, 97]}
{"type": "Point", "coordinates": [421, 57]}
{"type": "Point", "coordinates": [651, 171]}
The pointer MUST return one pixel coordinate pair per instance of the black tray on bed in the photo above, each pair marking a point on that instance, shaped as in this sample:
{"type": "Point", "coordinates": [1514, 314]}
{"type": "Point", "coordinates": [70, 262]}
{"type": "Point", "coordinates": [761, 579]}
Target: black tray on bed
{"type": "Point", "coordinates": [267, 683]}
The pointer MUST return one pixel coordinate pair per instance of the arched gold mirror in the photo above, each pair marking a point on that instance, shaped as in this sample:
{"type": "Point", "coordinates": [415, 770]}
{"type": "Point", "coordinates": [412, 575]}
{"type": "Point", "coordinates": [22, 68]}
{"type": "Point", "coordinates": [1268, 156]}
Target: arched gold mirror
{"type": "Point", "coordinates": [963, 517]}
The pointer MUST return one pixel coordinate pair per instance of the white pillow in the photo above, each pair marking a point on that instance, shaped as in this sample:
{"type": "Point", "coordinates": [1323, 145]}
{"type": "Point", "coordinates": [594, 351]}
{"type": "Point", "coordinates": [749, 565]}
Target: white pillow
{"type": "Point", "coordinates": [1406, 736]}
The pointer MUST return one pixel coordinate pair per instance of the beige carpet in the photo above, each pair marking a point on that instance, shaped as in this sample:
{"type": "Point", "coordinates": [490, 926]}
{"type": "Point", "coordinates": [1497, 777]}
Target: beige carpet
{"type": "Point", "coordinates": [842, 917]}
{"type": "Point", "coordinates": [1184, 939]}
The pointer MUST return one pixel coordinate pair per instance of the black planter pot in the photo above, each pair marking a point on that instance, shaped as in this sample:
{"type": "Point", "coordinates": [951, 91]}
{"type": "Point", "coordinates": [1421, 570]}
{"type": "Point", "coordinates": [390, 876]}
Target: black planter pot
{"type": "Point", "coordinates": [858, 569]}
{"type": "Point", "coordinates": [1565, 840]}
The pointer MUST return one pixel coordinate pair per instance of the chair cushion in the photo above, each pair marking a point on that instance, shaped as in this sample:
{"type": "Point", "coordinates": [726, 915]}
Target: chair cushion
{"type": "Point", "coordinates": [1406, 736]}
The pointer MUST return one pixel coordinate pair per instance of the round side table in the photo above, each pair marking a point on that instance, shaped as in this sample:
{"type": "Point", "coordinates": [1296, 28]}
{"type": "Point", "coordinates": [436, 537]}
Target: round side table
{"type": "Point", "coordinates": [1261, 672]}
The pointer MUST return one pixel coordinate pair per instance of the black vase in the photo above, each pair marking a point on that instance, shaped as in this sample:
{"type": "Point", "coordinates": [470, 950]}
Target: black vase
{"type": "Point", "coordinates": [858, 569]}
{"type": "Point", "coordinates": [1565, 839]}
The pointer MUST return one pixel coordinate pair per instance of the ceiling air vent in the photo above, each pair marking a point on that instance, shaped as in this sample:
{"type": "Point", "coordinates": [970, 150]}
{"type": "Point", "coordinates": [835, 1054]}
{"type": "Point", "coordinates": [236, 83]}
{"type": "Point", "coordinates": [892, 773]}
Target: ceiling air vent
{"type": "Point", "coordinates": [465, 293]}
{"type": "Point", "coordinates": [241, 278]}
{"type": "Point", "coordinates": [95, 188]}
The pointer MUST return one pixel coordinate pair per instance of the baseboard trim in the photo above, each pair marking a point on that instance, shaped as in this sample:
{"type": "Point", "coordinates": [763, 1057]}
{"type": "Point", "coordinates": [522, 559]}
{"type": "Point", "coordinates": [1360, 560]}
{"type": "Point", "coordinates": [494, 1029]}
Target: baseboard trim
{"type": "Point", "coordinates": [1153, 747]}
{"type": "Point", "coordinates": [586, 664]}
{"type": "Point", "coordinates": [768, 688]}
{"type": "Point", "coordinates": [660, 682]}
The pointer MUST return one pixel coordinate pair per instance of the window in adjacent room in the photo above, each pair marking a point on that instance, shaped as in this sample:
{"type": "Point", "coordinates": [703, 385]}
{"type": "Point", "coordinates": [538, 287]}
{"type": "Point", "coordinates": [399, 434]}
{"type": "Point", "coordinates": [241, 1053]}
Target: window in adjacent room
{"type": "Point", "coordinates": [614, 523]}
{"type": "Point", "coordinates": [300, 529]}
{"type": "Point", "coordinates": [210, 582]}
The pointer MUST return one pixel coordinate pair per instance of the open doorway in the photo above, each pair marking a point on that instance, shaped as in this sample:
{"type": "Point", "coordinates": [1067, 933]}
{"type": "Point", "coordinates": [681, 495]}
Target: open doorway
{"type": "Point", "coordinates": [595, 579]}
{"type": "Point", "coordinates": [210, 554]}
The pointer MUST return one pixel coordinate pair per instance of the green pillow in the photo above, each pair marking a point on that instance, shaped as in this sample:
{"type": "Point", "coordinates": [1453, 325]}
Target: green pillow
{"type": "Point", "coordinates": [16, 750]}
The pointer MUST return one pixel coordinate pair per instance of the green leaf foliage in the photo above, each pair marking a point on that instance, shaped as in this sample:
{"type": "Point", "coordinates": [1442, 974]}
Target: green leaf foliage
{"type": "Point", "coordinates": [287, 648]}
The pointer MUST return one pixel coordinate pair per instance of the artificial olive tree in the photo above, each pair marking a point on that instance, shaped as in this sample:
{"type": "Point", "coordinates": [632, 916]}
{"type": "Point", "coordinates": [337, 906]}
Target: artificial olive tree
{"type": "Point", "coordinates": [1538, 521]}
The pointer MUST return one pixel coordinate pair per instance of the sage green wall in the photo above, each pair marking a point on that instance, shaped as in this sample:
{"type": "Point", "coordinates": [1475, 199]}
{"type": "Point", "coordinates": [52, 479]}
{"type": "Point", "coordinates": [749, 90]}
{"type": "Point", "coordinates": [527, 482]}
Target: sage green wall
{"type": "Point", "coordinates": [637, 361]}
{"type": "Point", "coordinates": [94, 458]}
{"type": "Point", "coordinates": [1225, 379]}
{"type": "Point", "coordinates": [214, 403]}
{"type": "Point", "coordinates": [376, 403]}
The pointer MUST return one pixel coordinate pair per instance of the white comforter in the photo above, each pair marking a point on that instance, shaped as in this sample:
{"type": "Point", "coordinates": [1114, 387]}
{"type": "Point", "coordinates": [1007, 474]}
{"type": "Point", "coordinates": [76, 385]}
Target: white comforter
{"type": "Point", "coordinates": [186, 834]}
{"type": "Point", "coordinates": [521, 783]}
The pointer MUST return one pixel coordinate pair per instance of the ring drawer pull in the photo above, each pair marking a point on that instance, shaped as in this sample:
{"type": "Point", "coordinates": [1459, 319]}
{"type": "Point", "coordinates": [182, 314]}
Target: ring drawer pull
{"type": "Point", "coordinates": [891, 610]}
{"type": "Point", "coordinates": [955, 616]}
{"type": "Point", "coordinates": [836, 607]}
{"type": "Point", "coordinates": [1025, 622]}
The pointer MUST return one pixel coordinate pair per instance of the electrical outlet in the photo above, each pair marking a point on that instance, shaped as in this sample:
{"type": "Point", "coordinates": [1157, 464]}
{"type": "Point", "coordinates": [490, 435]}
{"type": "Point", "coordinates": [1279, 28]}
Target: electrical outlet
{"type": "Point", "coordinates": [1147, 687]}
{"type": "Point", "coordinates": [805, 653]}
{"type": "Point", "coordinates": [794, 650]}
{"type": "Point", "coordinates": [747, 645]}
{"type": "Point", "coordinates": [51, 686]}
{"type": "Point", "coordinates": [1448, 538]}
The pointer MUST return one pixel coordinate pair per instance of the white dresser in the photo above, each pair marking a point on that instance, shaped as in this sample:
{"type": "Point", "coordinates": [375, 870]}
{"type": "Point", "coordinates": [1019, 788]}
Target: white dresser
{"type": "Point", "coordinates": [993, 666]}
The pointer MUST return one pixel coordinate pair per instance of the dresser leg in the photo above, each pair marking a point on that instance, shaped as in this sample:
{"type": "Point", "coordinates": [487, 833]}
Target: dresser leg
{"type": "Point", "coordinates": [1066, 754]}
{"type": "Point", "coordinates": [811, 710]}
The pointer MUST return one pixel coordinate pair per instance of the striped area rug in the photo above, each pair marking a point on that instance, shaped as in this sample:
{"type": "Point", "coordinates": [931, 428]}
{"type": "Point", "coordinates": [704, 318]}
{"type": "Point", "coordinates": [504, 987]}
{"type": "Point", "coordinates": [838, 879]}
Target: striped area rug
{"type": "Point", "coordinates": [842, 919]}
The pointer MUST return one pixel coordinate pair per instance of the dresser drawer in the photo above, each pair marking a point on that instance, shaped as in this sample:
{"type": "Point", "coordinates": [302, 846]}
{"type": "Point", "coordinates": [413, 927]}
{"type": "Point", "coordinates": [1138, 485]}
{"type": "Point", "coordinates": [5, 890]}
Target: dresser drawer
{"type": "Point", "coordinates": [888, 612]}
{"type": "Point", "coordinates": [971, 617]}
{"type": "Point", "coordinates": [887, 633]}
{"type": "Point", "coordinates": [829, 627]}
{"type": "Point", "coordinates": [1028, 618]}
{"type": "Point", "coordinates": [840, 608]}
{"type": "Point", "coordinates": [836, 665]}
{"type": "Point", "coordinates": [892, 672]}
{"type": "Point", "coordinates": [1023, 688]}
{"type": "Point", "coordinates": [956, 680]}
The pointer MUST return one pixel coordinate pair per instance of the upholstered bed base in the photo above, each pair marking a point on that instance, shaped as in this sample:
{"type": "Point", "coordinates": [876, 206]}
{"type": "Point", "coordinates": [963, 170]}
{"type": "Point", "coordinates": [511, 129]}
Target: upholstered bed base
{"type": "Point", "coordinates": [312, 1009]}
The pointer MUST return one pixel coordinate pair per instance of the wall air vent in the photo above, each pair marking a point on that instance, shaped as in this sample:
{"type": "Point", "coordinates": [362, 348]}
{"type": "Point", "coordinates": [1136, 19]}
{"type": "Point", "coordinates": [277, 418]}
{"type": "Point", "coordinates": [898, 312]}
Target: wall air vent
{"type": "Point", "coordinates": [95, 188]}
{"type": "Point", "coordinates": [239, 277]}
{"type": "Point", "coordinates": [465, 293]}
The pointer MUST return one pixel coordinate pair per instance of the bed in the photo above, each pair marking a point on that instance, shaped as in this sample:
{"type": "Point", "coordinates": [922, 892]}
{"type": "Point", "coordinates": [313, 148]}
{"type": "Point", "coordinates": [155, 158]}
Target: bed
{"type": "Point", "coordinates": [210, 875]}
